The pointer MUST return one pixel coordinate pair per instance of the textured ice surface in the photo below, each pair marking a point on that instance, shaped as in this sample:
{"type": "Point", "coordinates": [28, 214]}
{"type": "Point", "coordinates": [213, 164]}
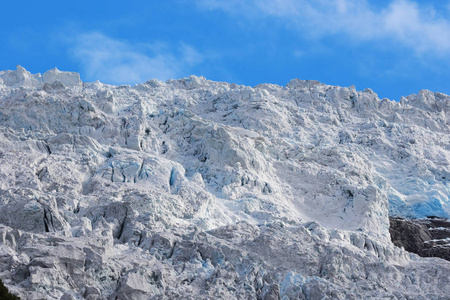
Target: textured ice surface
{"type": "Point", "coordinates": [199, 189]}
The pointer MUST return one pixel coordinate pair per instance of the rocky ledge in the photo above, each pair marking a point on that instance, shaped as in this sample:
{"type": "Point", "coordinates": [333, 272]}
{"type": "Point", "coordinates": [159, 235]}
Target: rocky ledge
{"type": "Point", "coordinates": [426, 237]}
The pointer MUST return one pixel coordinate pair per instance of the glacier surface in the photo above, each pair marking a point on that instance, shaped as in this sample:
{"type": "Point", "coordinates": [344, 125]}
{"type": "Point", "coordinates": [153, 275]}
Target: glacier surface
{"type": "Point", "coordinates": [194, 189]}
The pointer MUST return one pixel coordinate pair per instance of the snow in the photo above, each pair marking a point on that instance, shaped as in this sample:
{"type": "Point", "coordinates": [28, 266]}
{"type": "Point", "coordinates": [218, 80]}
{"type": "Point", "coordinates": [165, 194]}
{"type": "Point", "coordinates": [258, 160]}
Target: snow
{"type": "Point", "coordinates": [164, 188]}
{"type": "Point", "coordinates": [23, 78]}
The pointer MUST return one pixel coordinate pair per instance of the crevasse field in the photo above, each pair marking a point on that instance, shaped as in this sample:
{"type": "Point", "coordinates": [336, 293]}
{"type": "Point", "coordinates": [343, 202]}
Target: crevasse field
{"type": "Point", "coordinates": [193, 189]}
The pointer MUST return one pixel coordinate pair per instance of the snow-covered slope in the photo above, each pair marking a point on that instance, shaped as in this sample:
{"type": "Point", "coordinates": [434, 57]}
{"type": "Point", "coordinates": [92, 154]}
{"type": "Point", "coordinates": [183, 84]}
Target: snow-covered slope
{"type": "Point", "coordinates": [197, 189]}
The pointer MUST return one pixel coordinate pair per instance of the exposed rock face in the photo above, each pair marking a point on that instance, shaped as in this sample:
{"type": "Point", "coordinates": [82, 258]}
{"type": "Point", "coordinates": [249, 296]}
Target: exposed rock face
{"type": "Point", "coordinates": [408, 234]}
{"type": "Point", "coordinates": [426, 237]}
{"type": "Point", "coordinates": [192, 189]}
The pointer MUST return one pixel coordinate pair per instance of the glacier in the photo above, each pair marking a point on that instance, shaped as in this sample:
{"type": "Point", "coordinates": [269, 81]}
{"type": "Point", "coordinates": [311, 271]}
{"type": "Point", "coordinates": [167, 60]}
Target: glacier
{"type": "Point", "coordinates": [195, 189]}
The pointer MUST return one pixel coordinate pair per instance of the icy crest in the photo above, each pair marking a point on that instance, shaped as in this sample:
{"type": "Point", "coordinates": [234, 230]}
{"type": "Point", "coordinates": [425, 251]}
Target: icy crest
{"type": "Point", "coordinates": [209, 189]}
{"type": "Point", "coordinates": [22, 78]}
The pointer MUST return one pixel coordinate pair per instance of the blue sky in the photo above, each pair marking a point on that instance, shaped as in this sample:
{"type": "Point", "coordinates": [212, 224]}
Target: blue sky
{"type": "Point", "coordinates": [395, 47]}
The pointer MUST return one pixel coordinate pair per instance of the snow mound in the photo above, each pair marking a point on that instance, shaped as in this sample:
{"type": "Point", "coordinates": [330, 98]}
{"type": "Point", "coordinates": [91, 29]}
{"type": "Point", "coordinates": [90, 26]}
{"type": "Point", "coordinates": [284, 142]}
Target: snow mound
{"type": "Point", "coordinates": [23, 78]}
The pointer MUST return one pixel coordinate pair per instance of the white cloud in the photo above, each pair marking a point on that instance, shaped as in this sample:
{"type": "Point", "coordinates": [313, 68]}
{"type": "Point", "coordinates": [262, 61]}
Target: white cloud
{"type": "Point", "coordinates": [405, 22]}
{"type": "Point", "coordinates": [119, 62]}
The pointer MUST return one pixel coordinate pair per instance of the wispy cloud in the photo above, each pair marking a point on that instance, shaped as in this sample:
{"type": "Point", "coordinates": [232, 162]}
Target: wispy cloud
{"type": "Point", "coordinates": [408, 23]}
{"type": "Point", "coordinates": [120, 62]}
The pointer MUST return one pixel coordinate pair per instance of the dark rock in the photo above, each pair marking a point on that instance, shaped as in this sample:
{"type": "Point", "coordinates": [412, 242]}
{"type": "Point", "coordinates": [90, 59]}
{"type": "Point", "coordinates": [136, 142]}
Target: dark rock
{"type": "Point", "coordinates": [426, 237]}
{"type": "Point", "coordinates": [5, 294]}
{"type": "Point", "coordinates": [409, 235]}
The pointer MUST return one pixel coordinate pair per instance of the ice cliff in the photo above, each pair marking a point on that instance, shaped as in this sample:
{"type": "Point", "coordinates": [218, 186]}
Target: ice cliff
{"type": "Point", "coordinates": [194, 189]}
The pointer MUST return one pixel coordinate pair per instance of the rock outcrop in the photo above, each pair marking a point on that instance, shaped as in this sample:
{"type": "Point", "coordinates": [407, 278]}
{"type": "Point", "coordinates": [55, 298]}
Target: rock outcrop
{"type": "Point", "coordinates": [425, 237]}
